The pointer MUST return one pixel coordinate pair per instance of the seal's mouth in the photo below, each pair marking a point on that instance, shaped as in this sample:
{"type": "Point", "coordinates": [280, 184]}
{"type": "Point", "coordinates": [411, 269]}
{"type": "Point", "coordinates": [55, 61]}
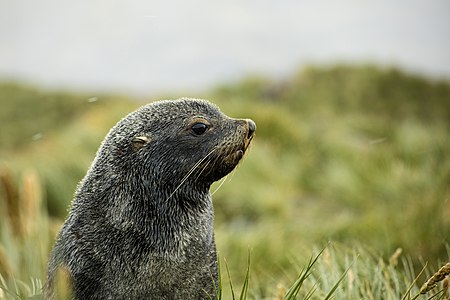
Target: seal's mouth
{"type": "Point", "coordinates": [247, 143]}
{"type": "Point", "coordinates": [240, 153]}
{"type": "Point", "coordinates": [228, 155]}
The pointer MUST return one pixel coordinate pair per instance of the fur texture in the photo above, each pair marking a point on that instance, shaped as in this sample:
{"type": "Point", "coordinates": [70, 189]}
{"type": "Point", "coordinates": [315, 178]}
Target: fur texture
{"type": "Point", "coordinates": [141, 222]}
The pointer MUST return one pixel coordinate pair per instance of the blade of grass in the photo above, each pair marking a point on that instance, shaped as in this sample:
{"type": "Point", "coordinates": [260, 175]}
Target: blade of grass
{"type": "Point", "coordinates": [219, 292]}
{"type": "Point", "coordinates": [333, 289]}
{"type": "Point", "coordinates": [306, 271]}
{"type": "Point", "coordinates": [243, 295]}
{"type": "Point", "coordinates": [412, 285]}
{"type": "Point", "coordinates": [229, 278]}
{"type": "Point", "coordinates": [311, 291]}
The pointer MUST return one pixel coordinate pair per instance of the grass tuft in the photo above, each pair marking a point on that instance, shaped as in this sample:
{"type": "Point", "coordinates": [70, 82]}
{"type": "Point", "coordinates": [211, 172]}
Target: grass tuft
{"type": "Point", "coordinates": [304, 274]}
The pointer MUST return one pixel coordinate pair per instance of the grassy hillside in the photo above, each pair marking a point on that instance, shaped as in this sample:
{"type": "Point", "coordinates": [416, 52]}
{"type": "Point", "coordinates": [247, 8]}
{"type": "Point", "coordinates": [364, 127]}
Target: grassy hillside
{"type": "Point", "coordinates": [356, 155]}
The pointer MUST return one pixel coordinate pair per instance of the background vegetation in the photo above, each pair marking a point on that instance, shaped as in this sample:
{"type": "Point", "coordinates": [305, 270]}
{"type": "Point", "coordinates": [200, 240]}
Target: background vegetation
{"type": "Point", "coordinates": [355, 155]}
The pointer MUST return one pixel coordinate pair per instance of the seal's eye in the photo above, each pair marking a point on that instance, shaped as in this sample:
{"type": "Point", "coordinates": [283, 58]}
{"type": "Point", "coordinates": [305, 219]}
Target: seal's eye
{"type": "Point", "coordinates": [199, 128]}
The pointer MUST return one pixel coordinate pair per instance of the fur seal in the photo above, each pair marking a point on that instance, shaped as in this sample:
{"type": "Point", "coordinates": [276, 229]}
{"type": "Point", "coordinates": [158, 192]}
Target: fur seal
{"type": "Point", "coordinates": [141, 222]}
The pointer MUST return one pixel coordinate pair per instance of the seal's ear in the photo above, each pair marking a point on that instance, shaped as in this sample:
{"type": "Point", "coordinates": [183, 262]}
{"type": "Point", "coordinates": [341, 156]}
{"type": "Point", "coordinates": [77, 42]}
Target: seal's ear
{"type": "Point", "coordinates": [139, 141]}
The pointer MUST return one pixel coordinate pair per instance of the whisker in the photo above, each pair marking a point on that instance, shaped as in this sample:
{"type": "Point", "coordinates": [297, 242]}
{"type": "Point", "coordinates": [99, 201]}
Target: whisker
{"type": "Point", "coordinates": [190, 173]}
{"type": "Point", "coordinates": [231, 175]}
{"type": "Point", "coordinates": [208, 163]}
{"type": "Point", "coordinates": [204, 168]}
{"type": "Point", "coordinates": [220, 185]}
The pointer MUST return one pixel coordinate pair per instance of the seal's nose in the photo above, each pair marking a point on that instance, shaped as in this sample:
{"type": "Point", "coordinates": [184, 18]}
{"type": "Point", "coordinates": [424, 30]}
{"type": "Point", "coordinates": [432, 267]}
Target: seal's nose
{"type": "Point", "coordinates": [251, 128]}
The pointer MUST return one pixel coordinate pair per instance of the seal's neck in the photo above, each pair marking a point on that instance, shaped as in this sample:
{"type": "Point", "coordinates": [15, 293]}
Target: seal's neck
{"type": "Point", "coordinates": [155, 211]}
{"type": "Point", "coordinates": [169, 221]}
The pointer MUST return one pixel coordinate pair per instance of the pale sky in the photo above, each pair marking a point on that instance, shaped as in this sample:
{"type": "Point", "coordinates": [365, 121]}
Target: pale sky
{"type": "Point", "coordinates": [146, 46]}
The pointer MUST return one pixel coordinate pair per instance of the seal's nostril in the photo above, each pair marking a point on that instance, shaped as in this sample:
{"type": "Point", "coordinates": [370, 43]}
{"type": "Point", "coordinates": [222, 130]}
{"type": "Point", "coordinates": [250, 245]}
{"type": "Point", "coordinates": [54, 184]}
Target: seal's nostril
{"type": "Point", "coordinates": [251, 128]}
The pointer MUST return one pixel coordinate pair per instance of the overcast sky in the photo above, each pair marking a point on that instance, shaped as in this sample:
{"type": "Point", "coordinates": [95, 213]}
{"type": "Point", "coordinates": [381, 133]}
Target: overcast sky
{"type": "Point", "coordinates": [145, 46]}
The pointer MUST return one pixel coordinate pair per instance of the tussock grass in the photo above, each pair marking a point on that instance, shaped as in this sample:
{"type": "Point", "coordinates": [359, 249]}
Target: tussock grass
{"type": "Point", "coordinates": [334, 272]}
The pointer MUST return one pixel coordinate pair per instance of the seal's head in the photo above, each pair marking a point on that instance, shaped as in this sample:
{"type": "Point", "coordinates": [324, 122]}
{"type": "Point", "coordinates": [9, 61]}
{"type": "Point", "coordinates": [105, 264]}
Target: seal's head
{"type": "Point", "coordinates": [179, 142]}
{"type": "Point", "coordinates": [141, 222]}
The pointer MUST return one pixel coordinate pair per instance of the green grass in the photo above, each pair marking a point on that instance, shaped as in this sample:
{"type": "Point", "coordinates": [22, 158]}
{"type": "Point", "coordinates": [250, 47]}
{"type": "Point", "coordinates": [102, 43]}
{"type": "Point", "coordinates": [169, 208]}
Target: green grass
{"type": "Point", "coordinates": [356, 155]}
{"type": "Point", "coordinates": [334, 272]}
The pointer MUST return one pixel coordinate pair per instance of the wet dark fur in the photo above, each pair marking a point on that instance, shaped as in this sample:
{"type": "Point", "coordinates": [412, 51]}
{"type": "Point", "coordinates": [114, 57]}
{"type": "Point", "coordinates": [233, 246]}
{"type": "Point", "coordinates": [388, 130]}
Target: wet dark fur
{"type": "Point", "coordinates": [135, 230]}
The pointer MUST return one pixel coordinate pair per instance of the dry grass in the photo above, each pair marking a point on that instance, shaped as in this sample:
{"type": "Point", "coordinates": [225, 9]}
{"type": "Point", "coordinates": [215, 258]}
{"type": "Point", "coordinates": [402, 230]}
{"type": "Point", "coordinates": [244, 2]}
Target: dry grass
{"type": "Point", "coordinates": [437, 277]}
